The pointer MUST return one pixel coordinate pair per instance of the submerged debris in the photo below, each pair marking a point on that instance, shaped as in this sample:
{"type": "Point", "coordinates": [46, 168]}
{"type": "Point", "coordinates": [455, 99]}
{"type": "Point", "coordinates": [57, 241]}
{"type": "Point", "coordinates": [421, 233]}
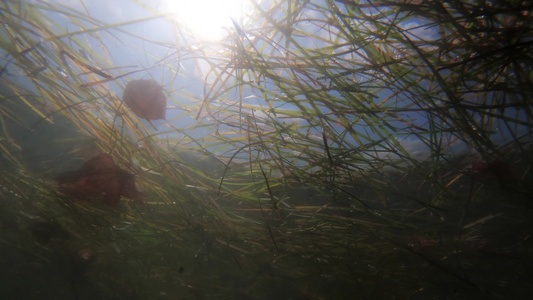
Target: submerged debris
{"type": "Point", "coordinates": [493, 169]}
{"type": "Point", "coordinates": [146, 99]}
{"type": "Point", "coordinates": [99, 177]}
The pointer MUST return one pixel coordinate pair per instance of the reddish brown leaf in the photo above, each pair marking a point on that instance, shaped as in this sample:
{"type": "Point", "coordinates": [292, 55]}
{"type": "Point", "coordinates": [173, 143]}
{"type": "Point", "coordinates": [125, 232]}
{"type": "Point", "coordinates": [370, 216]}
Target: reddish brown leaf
{"type": "Point", "coordinates": [493, 170]}
{"type": "Point", "coordinates": [146, 99]}
{"type": "Point", "coordinates": [99, 178]}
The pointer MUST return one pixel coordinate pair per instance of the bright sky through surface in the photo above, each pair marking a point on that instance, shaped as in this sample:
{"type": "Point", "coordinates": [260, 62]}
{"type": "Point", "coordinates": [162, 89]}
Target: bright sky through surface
{"type": "Point", "coordinates": [210, 20]}
{"type": "Point", "coordinates": [207, 19]}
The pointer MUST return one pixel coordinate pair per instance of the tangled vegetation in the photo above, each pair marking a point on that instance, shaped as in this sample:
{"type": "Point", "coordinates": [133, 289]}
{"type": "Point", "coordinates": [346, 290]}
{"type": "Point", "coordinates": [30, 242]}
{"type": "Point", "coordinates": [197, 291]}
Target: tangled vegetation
{"type": "Point", "coordinates": [330, 150]}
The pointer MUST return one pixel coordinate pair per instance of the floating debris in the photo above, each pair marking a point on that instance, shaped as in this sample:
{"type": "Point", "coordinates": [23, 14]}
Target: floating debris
{"type": "Point", "coordinates": [99, 177]}
{"type": "Point", "coordinates": [146, 99]}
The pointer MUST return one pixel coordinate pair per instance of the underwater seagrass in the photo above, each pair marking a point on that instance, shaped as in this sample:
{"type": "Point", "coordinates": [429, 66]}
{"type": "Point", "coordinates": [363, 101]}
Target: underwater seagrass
{"type": "Point", "coordinates": [322, 150]}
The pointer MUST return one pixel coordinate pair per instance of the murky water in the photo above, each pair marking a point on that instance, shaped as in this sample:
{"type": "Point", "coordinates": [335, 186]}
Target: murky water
{"type": "Point", "coordinates": [339, 167]}
{"type": "Point", "coordinates": [321, 242]}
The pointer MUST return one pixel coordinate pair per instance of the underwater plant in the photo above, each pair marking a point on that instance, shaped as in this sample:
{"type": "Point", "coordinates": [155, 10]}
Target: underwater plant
{"type": "Point", "coordinates": [318, 150]}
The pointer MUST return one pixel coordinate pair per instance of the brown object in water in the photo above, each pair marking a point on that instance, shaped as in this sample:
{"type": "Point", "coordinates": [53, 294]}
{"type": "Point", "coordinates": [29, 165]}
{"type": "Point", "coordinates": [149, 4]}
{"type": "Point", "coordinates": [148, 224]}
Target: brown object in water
{"type": "Point", "coordinates": [146, 99]}
{"type": "Point", "coordinates": [494, 168]}
{"type": "Point", "coordinates": [99, 177]}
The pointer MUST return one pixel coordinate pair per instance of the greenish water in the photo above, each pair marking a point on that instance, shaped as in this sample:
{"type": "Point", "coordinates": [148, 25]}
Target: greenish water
{"type": "Point", "coordinates": [320, 244]}
{"type": "Point", "coordinates": [293, 170]}
{"type": "Point", "coordinates": [396, 234]}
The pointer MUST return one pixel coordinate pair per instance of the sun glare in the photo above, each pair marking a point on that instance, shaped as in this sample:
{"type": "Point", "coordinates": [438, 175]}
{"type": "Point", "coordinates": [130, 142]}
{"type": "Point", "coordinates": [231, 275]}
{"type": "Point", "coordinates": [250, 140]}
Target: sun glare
{"type": "Point", "coordinates": [208, 19]}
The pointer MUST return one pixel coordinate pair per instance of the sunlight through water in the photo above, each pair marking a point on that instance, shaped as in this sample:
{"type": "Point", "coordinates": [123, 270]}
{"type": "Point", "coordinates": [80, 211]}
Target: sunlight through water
{"type": "Point", "coordinates": [208, 19]}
